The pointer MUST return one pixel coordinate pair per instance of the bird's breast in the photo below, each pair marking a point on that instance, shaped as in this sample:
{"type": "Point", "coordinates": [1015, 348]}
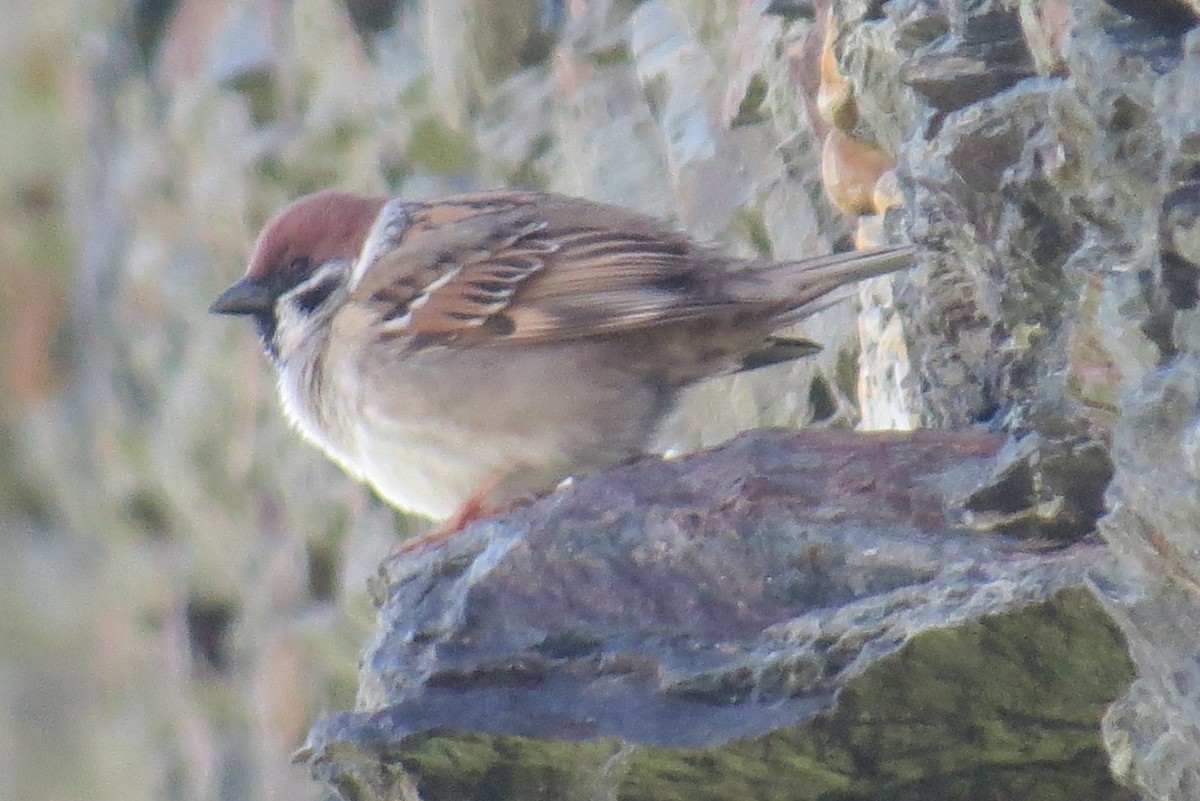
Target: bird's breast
{"type": "Point", "coordinates": [319, 401]}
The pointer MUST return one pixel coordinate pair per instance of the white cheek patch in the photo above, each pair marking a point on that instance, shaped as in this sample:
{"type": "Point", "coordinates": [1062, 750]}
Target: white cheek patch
{"type": "Point", "coordinates": [291, 328]}
{"type": "Point", "coordinates": [295, 317]}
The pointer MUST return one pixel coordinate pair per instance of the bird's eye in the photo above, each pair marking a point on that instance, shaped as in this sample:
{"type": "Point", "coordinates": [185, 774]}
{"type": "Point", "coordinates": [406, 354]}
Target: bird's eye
{"type": "Point", "coordinates": [298, 264]}
{"type": "Point", "coordinates": [314, 296]}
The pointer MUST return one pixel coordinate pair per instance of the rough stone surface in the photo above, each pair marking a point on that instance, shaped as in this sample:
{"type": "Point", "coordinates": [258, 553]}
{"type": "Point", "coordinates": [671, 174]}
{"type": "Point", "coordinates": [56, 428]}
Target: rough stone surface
{"type": "Point", "coordinates": [691, 601]}
{"type": "Point", "coordinates": [722, 599]}
{"type": "Point", "coordinates": [1063, 209]}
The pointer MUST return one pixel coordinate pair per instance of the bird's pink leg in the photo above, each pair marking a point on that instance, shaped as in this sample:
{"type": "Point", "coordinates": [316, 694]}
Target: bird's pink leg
{"type": "Point", "coordinates": [474, 507]}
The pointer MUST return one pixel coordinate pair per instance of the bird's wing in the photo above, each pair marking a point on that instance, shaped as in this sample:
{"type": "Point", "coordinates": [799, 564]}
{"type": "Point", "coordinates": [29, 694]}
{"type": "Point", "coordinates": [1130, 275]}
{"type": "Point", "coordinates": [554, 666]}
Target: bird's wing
{"type": "Point", "coordinates": [529, 267]}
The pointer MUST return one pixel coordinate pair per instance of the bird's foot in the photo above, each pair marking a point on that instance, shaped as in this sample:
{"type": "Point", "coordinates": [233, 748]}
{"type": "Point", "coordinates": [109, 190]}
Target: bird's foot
{"type": "Point", "coordinates": [475, 507]}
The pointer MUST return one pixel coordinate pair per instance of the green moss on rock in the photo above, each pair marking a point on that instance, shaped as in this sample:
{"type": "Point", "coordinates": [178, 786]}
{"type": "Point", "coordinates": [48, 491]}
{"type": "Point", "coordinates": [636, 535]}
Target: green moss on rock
{"type": "Point", "coordinates": [1005, 707]}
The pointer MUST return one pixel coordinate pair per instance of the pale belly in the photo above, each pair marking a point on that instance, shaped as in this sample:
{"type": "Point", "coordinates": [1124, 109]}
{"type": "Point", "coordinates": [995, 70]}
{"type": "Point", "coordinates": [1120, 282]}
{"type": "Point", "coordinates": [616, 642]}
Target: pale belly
{"type": "Point", "coordinates": [431, 471]}
{"type": "Point", "coordinates": [520, 418]}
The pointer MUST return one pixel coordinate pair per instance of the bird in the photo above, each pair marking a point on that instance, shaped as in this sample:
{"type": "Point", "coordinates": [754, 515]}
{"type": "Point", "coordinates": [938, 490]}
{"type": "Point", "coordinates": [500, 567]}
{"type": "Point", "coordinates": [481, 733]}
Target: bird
{"type": "Point", "coordinates": [465, 353]}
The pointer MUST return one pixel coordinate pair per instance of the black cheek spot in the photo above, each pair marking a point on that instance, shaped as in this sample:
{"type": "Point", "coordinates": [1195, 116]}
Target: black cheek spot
{"type": "Point", "coordinates": [311, 298]}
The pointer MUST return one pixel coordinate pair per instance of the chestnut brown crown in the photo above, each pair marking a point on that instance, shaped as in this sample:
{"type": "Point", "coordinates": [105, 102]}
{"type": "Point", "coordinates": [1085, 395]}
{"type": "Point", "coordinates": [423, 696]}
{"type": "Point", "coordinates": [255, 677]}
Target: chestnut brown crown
{"type": "Point", "coordinates": [316, 228]}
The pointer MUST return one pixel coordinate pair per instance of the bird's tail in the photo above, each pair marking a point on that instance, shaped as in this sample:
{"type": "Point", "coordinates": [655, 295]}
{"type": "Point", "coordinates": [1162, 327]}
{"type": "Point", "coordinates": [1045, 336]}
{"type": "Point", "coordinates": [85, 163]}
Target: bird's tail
{"type": "Point", "coordinates": [806, 286]}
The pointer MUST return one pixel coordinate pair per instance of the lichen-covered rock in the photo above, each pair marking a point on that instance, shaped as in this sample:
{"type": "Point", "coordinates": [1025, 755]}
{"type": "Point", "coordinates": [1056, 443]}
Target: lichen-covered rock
{"type": "Point", "coordinates": [720, 600]}
{"type": "Point", "coordinates": [1005, 706]}
{"type": "Point", "coordinates": [713, 596]}
{"type": "Point", "coordinates": [1062, 207]}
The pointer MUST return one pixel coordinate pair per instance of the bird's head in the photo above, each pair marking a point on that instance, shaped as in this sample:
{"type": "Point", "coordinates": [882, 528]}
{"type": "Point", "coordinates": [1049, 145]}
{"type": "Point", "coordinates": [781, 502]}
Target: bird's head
{"type": "Point", "coordinates": [300, 268]}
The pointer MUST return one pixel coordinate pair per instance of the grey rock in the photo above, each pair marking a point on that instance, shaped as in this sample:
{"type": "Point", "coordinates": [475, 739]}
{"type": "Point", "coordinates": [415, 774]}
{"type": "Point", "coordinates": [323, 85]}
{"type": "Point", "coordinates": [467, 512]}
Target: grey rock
{"type": "Point", "coordinates": [691, 601]}
{"type": "Point", "coordinates": [791, 9]}
{"type": "Point", "coordinates": [1179, 238]}
{"type": "Point", "coordinates": [1063, 206]}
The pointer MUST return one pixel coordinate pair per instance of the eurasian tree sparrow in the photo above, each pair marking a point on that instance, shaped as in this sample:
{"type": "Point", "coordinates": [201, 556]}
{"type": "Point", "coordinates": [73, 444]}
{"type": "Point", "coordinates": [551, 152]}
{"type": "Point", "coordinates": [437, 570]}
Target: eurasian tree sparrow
{"type": "Point", "coordinates": [462, 353]}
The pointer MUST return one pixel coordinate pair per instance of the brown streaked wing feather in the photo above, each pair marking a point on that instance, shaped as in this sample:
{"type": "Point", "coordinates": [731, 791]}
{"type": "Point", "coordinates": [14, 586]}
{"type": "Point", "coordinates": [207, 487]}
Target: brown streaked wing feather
{"type": "Point", "coordinates": [480, 283]}
{"type": "Point", "coordinates": [560, 268]}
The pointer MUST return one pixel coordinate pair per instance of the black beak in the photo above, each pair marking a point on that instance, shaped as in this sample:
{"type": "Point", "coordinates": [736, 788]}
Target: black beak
{"type": "Point", "coordinates": [247, 296]}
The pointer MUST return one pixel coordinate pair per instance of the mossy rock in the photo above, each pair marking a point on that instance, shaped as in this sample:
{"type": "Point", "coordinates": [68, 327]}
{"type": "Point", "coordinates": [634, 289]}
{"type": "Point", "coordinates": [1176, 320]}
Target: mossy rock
{"type": "Point", "coordinates": [1007, 707]}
